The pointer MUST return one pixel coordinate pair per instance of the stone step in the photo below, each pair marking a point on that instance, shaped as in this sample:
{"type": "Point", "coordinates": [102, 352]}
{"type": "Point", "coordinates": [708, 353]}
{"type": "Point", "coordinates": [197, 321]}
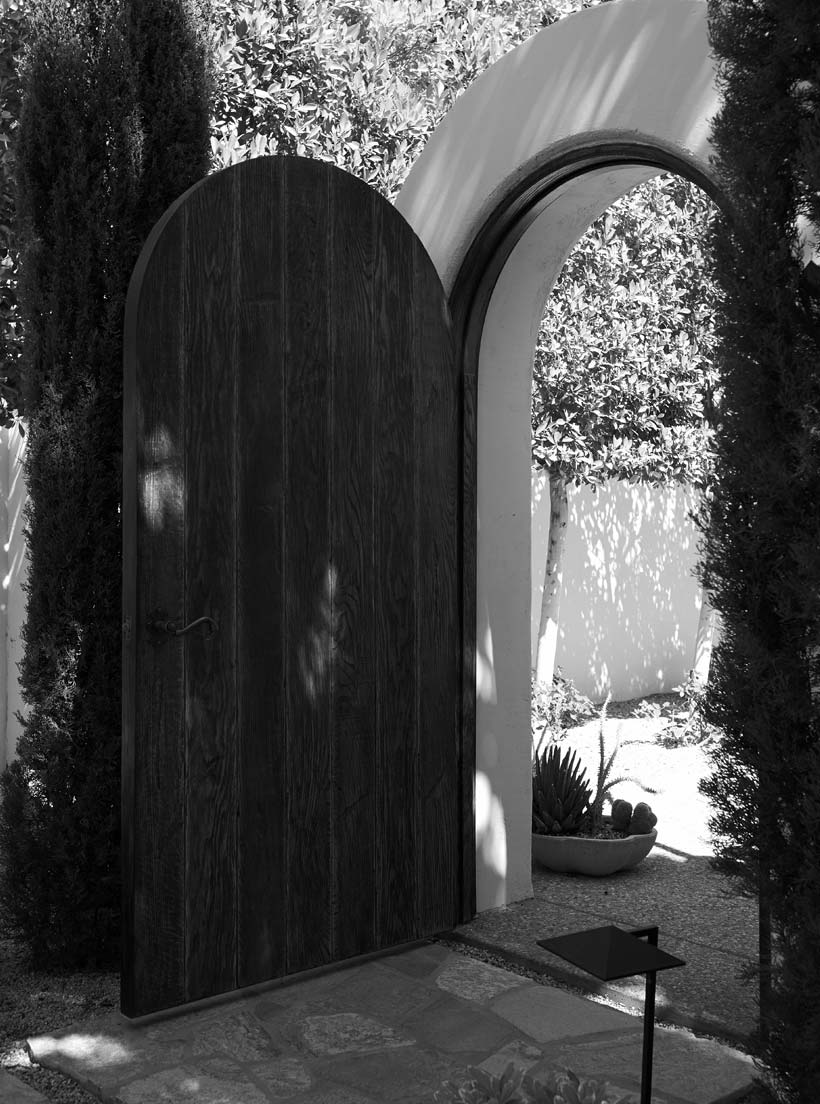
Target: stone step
{"type": "Point", "coordinates": [15, 1091]}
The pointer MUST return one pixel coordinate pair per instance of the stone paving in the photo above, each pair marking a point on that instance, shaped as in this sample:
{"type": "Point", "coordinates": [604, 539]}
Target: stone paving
{"type": "Point", "coordinates": [386, 1031]}
{"type": "Point", "coordinates": [700, 920]}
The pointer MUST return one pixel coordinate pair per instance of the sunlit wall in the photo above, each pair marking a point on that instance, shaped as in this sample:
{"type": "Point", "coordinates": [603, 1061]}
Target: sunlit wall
{"type": "Point", "coordinates": [629, 602]}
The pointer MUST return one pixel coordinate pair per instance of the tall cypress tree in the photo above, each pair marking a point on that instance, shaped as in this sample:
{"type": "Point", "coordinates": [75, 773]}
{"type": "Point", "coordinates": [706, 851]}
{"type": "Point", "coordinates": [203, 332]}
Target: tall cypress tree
{"type": "Point", "coordinates": [761, 550]}
{"type": "Point", "coordinates": [114, 126]}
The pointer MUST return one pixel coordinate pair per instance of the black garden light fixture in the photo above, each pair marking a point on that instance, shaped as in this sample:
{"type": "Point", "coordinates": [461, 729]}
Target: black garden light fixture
{"type": "Point", "coordinates": [611, 953]}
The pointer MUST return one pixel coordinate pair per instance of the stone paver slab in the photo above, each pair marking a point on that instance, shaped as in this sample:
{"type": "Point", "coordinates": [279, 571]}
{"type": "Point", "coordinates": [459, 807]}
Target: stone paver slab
{"type": "Point", "coordinates": [453, 1029]}
{"type": "Point", "coordinates": [419, 963]}
{"type": "Point", "coordinates": [282, 1077]}
{"type": "Point", "coordinates": [407, 1076]}
{"type": "Point", "coordinates": [15, 1091]}
{"type": "Point", "coordinates": [242, 1037]}
{"type": "Point", "coordinates": [175, 1086]}
{"type": "Point", "coordinates": [377, 992]}
{"type": "Point", "coordinates": [548, 1014]}
{"type": "Point", "coordinates": [343, 1032]}
{"type": "Point", "coordinates": [522, 1055]}
{"type": "Point", "coordinates": [476, 981]}
{"type": "Point", "coordinates": [335, 1096]}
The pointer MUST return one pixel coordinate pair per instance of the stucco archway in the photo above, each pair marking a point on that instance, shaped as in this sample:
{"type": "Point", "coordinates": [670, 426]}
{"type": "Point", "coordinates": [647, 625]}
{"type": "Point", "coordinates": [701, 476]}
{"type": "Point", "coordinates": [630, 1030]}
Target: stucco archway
{"type": "Point", "coordinates": [538, 146]}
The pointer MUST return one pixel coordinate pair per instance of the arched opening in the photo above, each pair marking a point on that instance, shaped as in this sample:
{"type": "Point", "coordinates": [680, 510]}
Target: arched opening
{"type": "Point", "coordinates": [502, 349]}
{"type": "Point", "coordinates": [623, 388]}
{"type": "Point", "coordinates": [538, 147]}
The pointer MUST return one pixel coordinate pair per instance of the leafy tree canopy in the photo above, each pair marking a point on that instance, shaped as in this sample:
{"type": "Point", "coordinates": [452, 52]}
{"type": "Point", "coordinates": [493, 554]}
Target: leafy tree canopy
{"type": "Point", "coordinates": [624, 383]}
{"type": "Point", "coordinates": [359, 83]}
{"type": "Point", "coordinates": [12, 31]}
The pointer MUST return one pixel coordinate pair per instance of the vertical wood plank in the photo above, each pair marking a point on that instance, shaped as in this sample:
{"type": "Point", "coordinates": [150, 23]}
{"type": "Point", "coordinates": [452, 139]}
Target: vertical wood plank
{"type": "Point", "coordinates": [396, 550]}
{"type": "Point", "coordinates": [301, 427]}
{"type": "Point", "coordinates": [309, 572]}
{"type": "Point", "coordinates": [351, 495]}
{"type": "Point", "coordinates": [210, 580]}
{"type": "Point", "coordinates": [153, 536]}
{"type": "Point", "coordinates": [260, 442]}
{"type": "Point", "coordinates": [437, 464]}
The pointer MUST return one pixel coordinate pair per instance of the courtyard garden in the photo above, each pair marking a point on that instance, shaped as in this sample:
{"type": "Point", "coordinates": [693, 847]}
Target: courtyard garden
{"type": "Point", "coordinates": [110, 110]}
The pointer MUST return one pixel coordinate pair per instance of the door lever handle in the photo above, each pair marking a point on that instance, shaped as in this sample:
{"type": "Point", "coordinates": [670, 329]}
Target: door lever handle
{"type": "Point", "coordinates": [171, 628]}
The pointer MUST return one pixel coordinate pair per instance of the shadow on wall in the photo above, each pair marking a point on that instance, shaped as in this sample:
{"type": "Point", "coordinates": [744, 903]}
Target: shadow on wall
{"type": "Point", "coordinates": [13, 565]}
{"type": "Point", "coordinates": [630, 603]}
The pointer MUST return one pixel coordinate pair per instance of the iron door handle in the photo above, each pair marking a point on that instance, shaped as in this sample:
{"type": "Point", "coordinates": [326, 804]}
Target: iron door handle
{"type": "Point", "coordinates": [171, 628]}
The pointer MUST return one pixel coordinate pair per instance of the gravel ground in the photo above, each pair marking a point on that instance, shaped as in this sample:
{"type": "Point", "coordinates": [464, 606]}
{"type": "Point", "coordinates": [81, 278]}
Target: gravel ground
{"type": "Point", "coordinates": [32, 1003]}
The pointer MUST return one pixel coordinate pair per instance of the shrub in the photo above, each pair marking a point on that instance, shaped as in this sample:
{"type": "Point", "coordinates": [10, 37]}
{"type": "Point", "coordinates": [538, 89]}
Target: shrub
{"type": "Point", "coordinates": [687, 725]}
{"type": "Point", "coordinates": [12, 33]}
{"type": "Point", "coordinates": [114, 125]}
{"type": "Point", "coordinates": [761, 547]}
{"type": "Point", "coordinates": [556, 710]}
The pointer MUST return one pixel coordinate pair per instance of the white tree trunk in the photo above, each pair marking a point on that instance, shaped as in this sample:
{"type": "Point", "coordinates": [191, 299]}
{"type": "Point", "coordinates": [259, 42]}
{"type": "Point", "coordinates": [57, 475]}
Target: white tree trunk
{"type": "Point", "coordinates": [704, 641]}
{"type": "Point", "coordinates": [553, 571]}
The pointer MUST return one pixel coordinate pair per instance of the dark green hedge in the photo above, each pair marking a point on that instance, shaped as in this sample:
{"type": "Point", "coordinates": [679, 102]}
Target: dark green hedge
{"type": "Point", "coordinates": [761, 546]}
{"type": "Point", "coordinates": [114, 126]}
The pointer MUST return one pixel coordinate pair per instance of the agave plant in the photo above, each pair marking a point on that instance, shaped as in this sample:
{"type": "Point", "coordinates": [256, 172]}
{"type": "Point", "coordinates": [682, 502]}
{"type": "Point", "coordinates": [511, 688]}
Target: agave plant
{"type": "Point", "coordinates": [560, 793]}
{"type": "Point", "coordinates": [604, 785]}
{"type": "Point", "coordinates": [515, 1087]}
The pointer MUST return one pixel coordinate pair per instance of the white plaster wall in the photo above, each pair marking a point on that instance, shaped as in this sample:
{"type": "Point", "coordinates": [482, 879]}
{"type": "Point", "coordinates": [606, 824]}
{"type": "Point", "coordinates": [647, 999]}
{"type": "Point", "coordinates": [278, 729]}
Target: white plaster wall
{"type": "Point", "coordinates": [631, 71]}
{"type": "Point", "coordinates": [503, 580]}
{"type": "Point", "coordinates": [13, 565]}
{"type": "Point", "coordinates": [629, 601]}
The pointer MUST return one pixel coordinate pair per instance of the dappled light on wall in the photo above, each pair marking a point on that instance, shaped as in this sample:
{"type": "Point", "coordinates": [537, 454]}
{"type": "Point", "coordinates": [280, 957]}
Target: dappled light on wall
{"type": "Point", "coordinates": [602, 70]}
{"type": "Point", "coordinates": [484, 664]}
{"type": "Point", "coordinates": [491, 841]}
{"type": "Point", "coordinates": [630, 604]}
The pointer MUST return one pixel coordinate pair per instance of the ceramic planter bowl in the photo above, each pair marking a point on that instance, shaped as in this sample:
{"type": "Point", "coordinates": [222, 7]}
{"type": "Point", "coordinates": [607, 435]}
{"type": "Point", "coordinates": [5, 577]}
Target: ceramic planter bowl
{"type": "Point", "coordinates": [594, 857]}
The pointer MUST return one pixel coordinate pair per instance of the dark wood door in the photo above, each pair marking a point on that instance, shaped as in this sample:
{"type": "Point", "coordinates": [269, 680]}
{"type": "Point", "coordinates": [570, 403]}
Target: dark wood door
{"type": "Point", "coordinates": [292, 769]}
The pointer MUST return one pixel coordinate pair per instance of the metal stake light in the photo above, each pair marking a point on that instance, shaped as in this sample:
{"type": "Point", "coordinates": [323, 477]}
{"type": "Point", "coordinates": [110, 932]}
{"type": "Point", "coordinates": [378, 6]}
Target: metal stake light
{"type": "Point", "coordinates": [611, 953]}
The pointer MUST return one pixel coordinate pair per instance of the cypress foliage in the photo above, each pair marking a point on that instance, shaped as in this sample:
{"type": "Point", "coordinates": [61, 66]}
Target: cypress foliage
{"type": "Point", "coordinates": [12, 36]}
{"type": "Point", "coordinates": [114, 126]}
{"type": "Point", "coordinates": [761, 546]}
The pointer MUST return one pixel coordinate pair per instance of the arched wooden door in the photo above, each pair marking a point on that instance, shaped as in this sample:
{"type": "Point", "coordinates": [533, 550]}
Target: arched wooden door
{"type": "Point", "coordinates": [292, 767]}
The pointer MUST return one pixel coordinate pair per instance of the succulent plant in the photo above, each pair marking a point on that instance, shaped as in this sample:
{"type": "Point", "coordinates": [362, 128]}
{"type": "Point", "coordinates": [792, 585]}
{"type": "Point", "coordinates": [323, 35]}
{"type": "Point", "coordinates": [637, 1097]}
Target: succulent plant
{"type": "Point", "coordinates": [567, 1088]}
{"type": "Point", "coordinates": [621, 814]}
{"type": "Point", "coordinates": [514, 1087]}
{"type": "Point", "coordinates": [642, 820]}
{"type": "Point", "coordinates": [560, 793]}
{"type": "Point", "coordinates": [605, 783]}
